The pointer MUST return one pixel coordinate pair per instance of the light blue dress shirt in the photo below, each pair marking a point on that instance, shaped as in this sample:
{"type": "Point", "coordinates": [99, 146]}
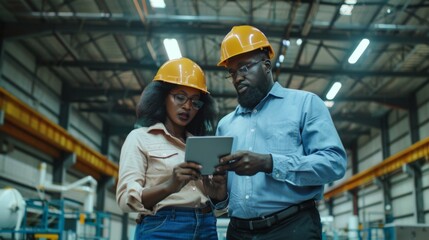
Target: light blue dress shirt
{"type": "Point", "coordinates": [296, 128]}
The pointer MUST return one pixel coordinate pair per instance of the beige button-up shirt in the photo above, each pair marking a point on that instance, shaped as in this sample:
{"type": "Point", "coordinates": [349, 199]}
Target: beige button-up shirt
{"type": "Point", "coordinates": [147, 159]}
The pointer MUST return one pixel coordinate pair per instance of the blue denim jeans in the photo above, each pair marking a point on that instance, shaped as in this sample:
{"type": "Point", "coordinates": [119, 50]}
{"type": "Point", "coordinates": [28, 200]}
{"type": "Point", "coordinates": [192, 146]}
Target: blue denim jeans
{"type": "Point", "coordinates": [177, 223]}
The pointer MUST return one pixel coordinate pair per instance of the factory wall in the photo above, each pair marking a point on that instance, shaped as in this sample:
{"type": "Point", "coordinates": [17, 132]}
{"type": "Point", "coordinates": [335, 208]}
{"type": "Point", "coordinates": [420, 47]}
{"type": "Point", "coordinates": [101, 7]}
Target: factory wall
{"type": "Point", "coordinates": [372, 207]}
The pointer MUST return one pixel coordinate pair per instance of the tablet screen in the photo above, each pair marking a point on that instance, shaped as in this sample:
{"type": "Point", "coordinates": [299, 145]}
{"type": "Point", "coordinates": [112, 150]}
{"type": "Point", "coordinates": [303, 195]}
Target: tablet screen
{"type": "Point", "coordinates": [206, 151]}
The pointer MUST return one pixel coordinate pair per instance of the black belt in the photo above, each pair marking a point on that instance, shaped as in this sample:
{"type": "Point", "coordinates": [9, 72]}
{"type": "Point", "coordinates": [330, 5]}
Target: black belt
{"type": "Point", "coordinates": [204, 210]}
{"type": "Point", "coordinates": [272, 219]}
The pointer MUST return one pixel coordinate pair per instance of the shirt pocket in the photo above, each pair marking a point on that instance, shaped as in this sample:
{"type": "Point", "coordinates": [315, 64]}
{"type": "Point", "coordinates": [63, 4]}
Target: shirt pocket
{"type": "Point", "coordinates": [162, 160]}
{"type": "Point", "coordinates": [284, 137]}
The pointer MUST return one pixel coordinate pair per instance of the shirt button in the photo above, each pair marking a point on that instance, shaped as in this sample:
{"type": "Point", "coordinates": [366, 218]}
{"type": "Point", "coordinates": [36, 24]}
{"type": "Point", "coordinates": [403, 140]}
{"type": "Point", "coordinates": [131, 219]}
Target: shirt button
{"type": "Point", "coordinates": [247, 196]}
{"type": "Point", "coordinates": [277, 175]}
{"type": "Point", "coordinates": [193, 188]}
{"type": "Point", "coordinates": [255, 111]}
{"type": "Point", "coordinates": [252, 130]}
{"type": "Point", "coordinates": [250, 148]}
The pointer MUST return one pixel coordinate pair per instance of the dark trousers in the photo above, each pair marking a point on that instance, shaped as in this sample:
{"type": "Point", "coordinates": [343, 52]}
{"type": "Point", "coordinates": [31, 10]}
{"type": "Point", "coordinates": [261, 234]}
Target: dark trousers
{"type": "Point", "coordinates": [304, 225]}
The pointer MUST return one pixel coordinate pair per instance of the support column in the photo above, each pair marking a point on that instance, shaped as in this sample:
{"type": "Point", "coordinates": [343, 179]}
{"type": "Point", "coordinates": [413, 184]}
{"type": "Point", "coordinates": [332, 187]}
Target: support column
{"type": "Point", "coordinates": [354, 165]}
{"type": "Point", "coordinates": [64, 114]}
{"type": "Point", "coordinates": [102, 187]}
{"type": "Point", "coordinates": [384, 182]}
{"type": "Point", "coordinates": [414, 170]}
{"type": "Point", "coordinates": [385, 186]}
{"type": "Point", "coordinates": [64, 117]}
{"type": "Point", "coordinates": [105, 139]}
{"type": "Point", "coordinates": [59, 170]}
{"type": "Point", "coordinates": [414, 122]}
{"type": "Point", "coordinates": [1, 49]}
{"type": "Point", "coordinates": [385, 142]}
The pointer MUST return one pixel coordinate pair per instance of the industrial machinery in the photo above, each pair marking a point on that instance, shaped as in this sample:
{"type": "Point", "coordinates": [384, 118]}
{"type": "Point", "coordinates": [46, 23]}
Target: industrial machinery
{"type": "Point", "coordinates": [54, 219]}
{"type": "Point", "coordinates": [394, 231]}
{"type": "Point", "coordinates": [79, 185]}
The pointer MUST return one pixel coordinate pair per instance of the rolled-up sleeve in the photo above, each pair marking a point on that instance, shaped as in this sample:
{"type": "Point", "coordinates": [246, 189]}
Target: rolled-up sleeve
{"type": "Point", "coordinates": [132, 168]}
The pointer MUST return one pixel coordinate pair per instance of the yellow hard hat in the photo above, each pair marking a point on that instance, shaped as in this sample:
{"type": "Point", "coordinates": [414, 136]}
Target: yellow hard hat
{"type": "Point", "coordinates": [243, 39]}
{"type": "Point", "coordinates": [184, 72]}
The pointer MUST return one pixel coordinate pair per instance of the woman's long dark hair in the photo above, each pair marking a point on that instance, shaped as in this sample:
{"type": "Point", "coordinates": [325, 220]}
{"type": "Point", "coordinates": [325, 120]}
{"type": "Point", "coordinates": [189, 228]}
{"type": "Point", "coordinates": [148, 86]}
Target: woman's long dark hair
{"type": "Point", "coordinates": [151, 109]}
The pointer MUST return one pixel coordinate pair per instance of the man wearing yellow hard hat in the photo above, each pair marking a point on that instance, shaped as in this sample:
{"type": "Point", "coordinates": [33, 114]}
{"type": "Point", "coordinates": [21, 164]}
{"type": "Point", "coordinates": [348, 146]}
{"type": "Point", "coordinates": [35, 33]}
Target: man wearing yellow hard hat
{"type": "Point", "coordinates": [154, 180]}
{"type": "Point", "coordinates": [286, 147]}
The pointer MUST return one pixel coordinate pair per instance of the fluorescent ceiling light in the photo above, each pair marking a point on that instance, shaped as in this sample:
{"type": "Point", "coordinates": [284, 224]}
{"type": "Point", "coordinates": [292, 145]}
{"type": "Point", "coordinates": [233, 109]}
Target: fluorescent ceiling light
{"type": "Point", "coordinates": [358, 51]}
{"type": "Point", "coordinates": [286, 42]}
{"type": "Point", "coordinates": [351, 2]}
{"type": "Point", "coordinates": [281, 58]}
{"type": "Point", "coordinates": [333, 91]}
{"type": "Point", "coordinates": [157, 3]}
{"type": "Point", "coordinates": [299, 41]}
{"type": "Point", "coordinates": [172, 48]}
{"type": "Point", "coordinates": [347, 8]}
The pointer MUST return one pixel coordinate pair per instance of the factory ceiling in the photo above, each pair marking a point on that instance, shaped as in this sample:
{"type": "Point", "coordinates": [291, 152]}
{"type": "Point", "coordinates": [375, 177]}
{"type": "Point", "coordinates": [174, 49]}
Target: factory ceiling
{"type": "Point", "coordinates": [106, 51]}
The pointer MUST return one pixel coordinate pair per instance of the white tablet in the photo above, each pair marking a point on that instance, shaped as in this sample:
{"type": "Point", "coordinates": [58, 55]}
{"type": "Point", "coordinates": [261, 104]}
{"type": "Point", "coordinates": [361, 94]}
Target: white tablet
{"type": "Point", "coordinates": [206, 151]}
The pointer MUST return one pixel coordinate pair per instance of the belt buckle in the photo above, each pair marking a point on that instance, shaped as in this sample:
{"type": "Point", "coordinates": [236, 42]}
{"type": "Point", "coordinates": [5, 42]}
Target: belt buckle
{"type": "Point", "coordinates": [206, 209]}
{"type": "Point", "coordinates": [268, 220]}
{"type": "Point", "coordinates": [140, 219]}
{"type": "Point", "coordinates": [251, 225]}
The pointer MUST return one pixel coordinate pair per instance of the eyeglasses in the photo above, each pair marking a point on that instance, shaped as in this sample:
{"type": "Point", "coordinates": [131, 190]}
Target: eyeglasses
{"type": "Point", "coordinates": [181, 99]}
{"type": "Point", "coordinates": [242, 71]}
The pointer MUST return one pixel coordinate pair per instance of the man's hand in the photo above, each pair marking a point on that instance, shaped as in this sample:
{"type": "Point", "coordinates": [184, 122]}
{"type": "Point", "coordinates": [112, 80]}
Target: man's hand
{"type": "Point", "coordinates": [215, 186]}
{"type": "Point", "coordinates": [246, 163]}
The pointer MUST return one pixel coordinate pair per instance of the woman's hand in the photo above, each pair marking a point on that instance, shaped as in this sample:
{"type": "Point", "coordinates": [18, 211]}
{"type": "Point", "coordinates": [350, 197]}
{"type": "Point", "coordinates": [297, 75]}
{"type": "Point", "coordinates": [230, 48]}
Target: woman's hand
{"type": "Point", "coordinates": [182, 174]}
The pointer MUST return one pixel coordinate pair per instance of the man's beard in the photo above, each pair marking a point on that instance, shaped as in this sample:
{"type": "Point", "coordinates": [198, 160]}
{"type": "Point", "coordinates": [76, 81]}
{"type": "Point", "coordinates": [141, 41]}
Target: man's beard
{"type": "Point", "coordinates": [251, 97]}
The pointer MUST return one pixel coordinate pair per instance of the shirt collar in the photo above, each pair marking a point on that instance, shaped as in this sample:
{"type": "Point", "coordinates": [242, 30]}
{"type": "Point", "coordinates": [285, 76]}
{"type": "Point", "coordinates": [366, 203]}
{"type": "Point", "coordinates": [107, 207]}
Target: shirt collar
{"type": "Point", "coordinates": [157, 127]}
{"type": "Point", "coordinates": [161, 127]}
{"type": "Point", "coordinates": [274, 92]}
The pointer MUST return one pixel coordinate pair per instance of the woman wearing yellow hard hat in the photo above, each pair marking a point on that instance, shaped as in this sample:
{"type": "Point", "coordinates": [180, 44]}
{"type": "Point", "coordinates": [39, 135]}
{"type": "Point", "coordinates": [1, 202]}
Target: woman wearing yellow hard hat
{"type": "Point", "coordinates": [154, 179]}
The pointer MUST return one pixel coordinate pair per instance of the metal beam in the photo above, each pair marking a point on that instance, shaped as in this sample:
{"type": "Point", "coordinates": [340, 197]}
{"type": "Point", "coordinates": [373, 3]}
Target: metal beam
{"type": "Point", "coordinates": [77, 94]}
{"type": "Point", "coordinates": [392, 102]}
{"type": "Point", "coordinates": [119, 110]}
{"type": "Point", "coordinates": [120, 130]}
{"type": "Point", "coordinates": [126, 66]}
{"type": "Point", "coordinates": [84, 95]}
{"type": "Point", "coordinates": [13, 30]}
{"type": "Point", "coordinates": [359, 118]}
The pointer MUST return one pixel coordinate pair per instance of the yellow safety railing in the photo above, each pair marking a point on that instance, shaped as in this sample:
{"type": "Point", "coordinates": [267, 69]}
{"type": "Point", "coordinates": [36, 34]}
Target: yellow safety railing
{"type": "Point", "coordinates": [26, 124]}
{"type": "Point", "coordinates": [419, 150]}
